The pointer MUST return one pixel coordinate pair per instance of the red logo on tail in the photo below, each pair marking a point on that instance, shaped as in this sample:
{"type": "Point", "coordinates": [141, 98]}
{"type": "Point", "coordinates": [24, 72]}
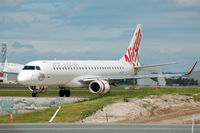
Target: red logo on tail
{"type": "Point", "coordinates": [133, 53]}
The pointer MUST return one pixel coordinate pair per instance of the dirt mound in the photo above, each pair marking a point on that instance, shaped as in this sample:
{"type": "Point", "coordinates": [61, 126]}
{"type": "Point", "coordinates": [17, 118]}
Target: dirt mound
{"type": "Point", "coordinates": [168, 109]}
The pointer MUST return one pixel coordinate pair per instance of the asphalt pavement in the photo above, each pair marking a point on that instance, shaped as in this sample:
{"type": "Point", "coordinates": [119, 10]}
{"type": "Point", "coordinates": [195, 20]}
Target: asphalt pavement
{"type": "Point", "coordinates": [96, 128]}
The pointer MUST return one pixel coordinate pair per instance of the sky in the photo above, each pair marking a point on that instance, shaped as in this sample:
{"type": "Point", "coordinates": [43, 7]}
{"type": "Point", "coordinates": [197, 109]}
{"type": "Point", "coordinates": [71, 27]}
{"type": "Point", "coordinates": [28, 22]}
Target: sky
{"type": "Point", "coordinates": [102, 30]}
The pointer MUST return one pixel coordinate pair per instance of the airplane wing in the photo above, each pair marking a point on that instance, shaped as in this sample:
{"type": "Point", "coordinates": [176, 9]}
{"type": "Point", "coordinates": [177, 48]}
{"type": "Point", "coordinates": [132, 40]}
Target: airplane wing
{"type": "Point", "coordinates": [139, 76]}
{"type": "Point", "coordinates": [16, 73]}
{"type": "Point", "coordinates": [6, 71]}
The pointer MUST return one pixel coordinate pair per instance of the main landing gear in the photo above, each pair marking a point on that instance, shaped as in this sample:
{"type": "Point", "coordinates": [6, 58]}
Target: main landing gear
{"type": "Point", "coordinates": [64, 92]}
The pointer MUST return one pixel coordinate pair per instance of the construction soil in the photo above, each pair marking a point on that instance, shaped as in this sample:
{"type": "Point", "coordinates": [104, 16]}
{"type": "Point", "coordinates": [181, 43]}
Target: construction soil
{"type": "Point", "coordinates": [166, 109]}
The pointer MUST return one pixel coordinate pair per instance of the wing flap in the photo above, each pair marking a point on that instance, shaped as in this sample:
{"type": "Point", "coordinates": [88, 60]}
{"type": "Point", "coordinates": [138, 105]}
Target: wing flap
{"type": "Point", "coordinates": [134, 77]}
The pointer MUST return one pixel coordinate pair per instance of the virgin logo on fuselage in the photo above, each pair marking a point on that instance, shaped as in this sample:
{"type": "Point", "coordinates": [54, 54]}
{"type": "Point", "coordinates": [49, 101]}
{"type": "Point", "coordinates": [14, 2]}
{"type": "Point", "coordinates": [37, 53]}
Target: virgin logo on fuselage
{"type": "Point", "coordinates": [133, 53]}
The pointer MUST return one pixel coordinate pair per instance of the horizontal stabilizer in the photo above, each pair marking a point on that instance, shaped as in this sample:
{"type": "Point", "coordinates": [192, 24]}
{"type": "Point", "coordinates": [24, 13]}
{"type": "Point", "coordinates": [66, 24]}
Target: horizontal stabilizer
{"type": "Point", "coordinates": [155, 65]}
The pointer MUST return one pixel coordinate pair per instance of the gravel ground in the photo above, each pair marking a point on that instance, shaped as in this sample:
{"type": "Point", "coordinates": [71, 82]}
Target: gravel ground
{"type": "Point", "coordinates": [167, 109]}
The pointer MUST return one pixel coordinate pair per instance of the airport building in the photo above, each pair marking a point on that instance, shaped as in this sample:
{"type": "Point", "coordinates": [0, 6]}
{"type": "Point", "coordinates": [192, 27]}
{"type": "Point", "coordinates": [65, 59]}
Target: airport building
{"type": "Point", "coordinates": [196, 76]}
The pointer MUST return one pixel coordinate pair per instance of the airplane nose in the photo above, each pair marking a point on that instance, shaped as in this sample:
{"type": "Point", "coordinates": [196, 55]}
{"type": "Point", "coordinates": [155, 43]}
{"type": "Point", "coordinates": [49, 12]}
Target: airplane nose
{"type": "Point", "coordinates": [22, 79]}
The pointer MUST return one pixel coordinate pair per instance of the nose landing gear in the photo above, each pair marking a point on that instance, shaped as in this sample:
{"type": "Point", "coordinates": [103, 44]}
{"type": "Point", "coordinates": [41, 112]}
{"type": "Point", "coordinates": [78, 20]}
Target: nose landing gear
{"type": "Point", "coordinates": [64, 92]}
{"type": "Point", "coordinates": [37, 89]}
{"type": "Point", "coordinates": [34, 94]}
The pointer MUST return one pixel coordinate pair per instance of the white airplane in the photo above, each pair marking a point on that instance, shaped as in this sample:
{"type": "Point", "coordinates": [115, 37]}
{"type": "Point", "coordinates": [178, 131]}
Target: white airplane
{"type": "Point", "coordinates": [8, 68]}
{"type": "Point", "coordinates": [98, 75]}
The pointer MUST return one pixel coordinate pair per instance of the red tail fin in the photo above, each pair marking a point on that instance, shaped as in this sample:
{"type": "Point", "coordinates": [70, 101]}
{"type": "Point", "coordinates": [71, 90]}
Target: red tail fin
{"type": "Point", "coordinates": [132, 54]}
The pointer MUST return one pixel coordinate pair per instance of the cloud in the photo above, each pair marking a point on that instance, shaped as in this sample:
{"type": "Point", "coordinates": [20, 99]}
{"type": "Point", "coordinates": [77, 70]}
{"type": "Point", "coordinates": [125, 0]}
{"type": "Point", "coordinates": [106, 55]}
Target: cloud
{"type": "Point", "coordinates": [4, 4]}
{"type": "Point", "coordinates": [187, 3]}
{"type": "Point", "coordinates": [99, 29]}
{"type": "Point", "coordinates": [74, 54]}
{"type": "Point", "coordinates": [78, 8]}
{"type": "Point", "coordinates": [18, 45]}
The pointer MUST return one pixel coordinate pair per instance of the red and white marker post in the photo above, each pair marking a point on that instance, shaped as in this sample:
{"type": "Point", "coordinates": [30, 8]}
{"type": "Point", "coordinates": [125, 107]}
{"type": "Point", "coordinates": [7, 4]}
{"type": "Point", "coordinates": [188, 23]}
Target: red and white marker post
{"type": "Point", "coordinates": [11, 116]}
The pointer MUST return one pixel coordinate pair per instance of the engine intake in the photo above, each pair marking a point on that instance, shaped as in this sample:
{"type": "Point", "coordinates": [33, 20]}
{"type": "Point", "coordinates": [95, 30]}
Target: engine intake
{"type": "Point", "coordinates": [99, 86]}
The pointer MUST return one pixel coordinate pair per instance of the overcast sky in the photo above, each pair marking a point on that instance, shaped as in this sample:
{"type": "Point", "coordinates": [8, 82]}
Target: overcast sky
{"type": "Point", "coordinates": [101, 29]}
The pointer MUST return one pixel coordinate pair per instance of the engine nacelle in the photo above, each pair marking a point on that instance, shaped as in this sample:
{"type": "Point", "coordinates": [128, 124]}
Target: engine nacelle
{"type": "Point", "coordinates": [38, 89]}
{"type": "Point", "coordinates": [99, 86]}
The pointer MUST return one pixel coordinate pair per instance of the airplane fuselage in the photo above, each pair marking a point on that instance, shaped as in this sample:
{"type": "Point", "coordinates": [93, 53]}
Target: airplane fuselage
{"type": "Point", "coordinates": [67, 73]}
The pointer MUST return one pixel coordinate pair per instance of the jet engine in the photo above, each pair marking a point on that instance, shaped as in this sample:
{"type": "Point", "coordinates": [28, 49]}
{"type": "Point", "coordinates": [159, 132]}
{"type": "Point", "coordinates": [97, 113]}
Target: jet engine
{"type": "Point", "coordinates": [38, 89]}
{"type": "Point", "coordinates": [99, 86]}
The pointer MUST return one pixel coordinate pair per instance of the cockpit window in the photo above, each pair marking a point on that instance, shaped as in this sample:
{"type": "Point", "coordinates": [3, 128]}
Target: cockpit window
{"type": "Point", "coordinates": [38, 68]}
{"type": "Point", "coordinates": [31, 68]}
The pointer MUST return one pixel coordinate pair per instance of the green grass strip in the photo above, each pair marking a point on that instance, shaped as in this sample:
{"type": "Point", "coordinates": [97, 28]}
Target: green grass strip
{"type": "Point", "coordinates": [72, 112]}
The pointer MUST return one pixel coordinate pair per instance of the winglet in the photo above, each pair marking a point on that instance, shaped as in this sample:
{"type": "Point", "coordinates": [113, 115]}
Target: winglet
{"type": "Point", "coordinates": [191, 69]}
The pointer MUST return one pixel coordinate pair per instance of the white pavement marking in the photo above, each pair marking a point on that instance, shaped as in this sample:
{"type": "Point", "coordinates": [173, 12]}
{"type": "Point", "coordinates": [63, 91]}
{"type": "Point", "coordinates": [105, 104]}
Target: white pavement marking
{"type": "Point", "coordinates": [55, 114]}
{"type": "Point", "coordinates": [192, 123]}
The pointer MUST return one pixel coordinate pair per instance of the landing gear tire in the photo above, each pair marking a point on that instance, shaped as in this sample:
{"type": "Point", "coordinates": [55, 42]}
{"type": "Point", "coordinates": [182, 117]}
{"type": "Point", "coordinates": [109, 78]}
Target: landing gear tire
{"type": "Point", "coordinates": [67, 93]}
{"type": "Point", "coordinates": [34, 94]}
{"type": "Point", "coordinates": [61, 93]}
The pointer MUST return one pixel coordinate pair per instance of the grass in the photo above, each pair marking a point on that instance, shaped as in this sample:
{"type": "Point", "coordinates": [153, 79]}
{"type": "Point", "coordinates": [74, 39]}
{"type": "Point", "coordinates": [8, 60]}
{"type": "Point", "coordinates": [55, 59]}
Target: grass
{"type": "Point", "coordinates": [51, 92]}
{"type": "Point", "coordinates": [72, 112]}
{"type": "Point", "coordinates": [125, 99]}
{"type": "Point", "coordinates": [196, 97]}
{"type": "Point", "coordinates": [148, 104]}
